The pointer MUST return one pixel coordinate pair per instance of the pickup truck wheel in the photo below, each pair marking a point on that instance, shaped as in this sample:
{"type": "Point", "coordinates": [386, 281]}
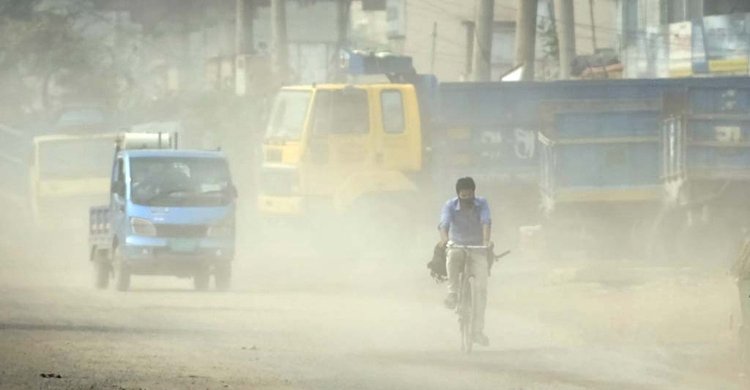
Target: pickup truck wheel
{"type": "Point", "coordinates": [101, 274]}
{"type": "Point", "coordinates": [201, 279]}
{"type": "Point", "coordinates": [122, 274]}
{"type": "Point", "coordinates": [223, 276]}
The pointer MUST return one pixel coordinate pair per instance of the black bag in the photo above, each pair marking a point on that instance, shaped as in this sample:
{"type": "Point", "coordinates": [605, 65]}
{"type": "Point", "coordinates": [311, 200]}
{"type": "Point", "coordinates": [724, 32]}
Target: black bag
{"type": "Point", "coordinates": [437, 266]}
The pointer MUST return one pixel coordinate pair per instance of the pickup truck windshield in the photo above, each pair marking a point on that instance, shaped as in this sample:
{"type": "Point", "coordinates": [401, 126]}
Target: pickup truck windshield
{"type": "Point", "coordinates": [75, 158]}
{"type": "Point", "coordinates": [288, 115]}
{"type": "Point", "coordinates": [180, 181]}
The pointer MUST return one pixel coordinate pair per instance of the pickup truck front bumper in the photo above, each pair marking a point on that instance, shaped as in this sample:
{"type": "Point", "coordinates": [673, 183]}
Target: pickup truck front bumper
{"type": "Point", "coordinates": [175, 256]}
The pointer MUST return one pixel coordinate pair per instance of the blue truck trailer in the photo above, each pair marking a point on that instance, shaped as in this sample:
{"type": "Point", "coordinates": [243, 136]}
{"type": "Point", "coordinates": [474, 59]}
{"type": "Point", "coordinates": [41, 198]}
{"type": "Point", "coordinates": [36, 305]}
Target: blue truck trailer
{"type": "Point", "coordinates": [171, 212]}
{"type": "Point", "coordinates": [599, 167]}
{"type": "Point", "coordinates": [638, 167]}
{"type": "Point", "coordinates": [614, 167]}
{"type": "Point", "coordinates": [706, 168]}
{"type": "Point", "coordinates": [568, 155]}
{"type": "Point", "coordinates": [583, 158]}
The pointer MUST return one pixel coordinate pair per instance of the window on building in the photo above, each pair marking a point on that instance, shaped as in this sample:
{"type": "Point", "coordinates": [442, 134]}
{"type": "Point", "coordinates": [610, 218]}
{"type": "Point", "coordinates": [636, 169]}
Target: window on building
{"type": "Point", "coordinates": [630, 25]}
{"type": "Point", "coordinates": [683, 10]}
{"type": "Point", "coordinates": [725, 7]}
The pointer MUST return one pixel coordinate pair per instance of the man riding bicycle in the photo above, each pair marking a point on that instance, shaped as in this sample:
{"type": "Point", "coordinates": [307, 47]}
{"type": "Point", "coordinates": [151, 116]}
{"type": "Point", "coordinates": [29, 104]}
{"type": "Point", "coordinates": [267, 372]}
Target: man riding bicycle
{"type": "Point", "coordinates": [465, 220]}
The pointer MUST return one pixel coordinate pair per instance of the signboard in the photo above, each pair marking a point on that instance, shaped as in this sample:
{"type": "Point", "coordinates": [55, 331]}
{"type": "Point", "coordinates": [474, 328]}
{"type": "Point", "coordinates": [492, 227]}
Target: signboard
{"type": "Point", "coordinates": [700, 62]}
{"type": "Point", "coordinates": [714, 44]}
{"type": "Point", "coordinates": [395, 15]}
{"type": "Point", "coordinates": [727, 46]}
{"type": "Point", "coordinates": [680, 49]}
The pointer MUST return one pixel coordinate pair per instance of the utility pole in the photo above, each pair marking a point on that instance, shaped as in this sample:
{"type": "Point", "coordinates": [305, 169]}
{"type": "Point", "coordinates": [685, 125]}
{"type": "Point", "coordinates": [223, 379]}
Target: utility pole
{"type": "Point", "coordinates": [243, 27]}
{"type": "Point", "coordinates": [566, 35]}
{"type": "Point", "coordinates": [432, 52]}
{"type": "Point", "coordinates": [593, 26]}
{"type": "Point", "coordinates": [342, 22]}
{"type": "Point", "coordinates": [280, 55]}
{"type": "Point", "coordinates": [244, 44]}
{"type": "Point", "coordinates": [469, 25]}
{"type": "Point", "coordinates": [526, 37]}
{"type": "Point", "coordinates": [483, 40]}
{"type": "Point", "coordinates": [343, 9]}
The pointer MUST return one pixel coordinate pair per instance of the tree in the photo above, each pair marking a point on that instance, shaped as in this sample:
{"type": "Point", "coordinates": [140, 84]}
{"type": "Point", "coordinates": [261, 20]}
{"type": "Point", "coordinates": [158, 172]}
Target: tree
{"type": "Point", "coordinates": [42, 49]}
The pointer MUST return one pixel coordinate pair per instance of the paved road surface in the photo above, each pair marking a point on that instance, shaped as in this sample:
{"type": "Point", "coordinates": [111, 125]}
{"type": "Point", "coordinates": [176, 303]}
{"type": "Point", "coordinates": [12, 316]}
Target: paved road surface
{"type": "Point", "coordinates": [299, 321]}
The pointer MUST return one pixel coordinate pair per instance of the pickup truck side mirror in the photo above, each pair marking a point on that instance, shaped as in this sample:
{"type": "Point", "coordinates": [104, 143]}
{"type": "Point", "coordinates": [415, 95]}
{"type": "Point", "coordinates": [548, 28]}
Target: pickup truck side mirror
{"type": "Point", "coordinates": [118, 187]}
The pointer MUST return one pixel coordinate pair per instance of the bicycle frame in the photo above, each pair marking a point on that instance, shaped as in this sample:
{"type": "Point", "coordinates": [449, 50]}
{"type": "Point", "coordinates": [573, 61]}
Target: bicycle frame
{"type": "Point", "coordinates": [465, 305]}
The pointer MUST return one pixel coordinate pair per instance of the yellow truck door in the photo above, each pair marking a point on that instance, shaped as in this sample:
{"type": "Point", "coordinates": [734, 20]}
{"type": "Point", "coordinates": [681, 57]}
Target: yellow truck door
{"type": "Point", "coordinates": [397, 128]}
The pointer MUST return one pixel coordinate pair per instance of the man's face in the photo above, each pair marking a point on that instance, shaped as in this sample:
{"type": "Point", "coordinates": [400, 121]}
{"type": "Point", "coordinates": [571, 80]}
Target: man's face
{"type": "Point", "coordinates": [466, 195]}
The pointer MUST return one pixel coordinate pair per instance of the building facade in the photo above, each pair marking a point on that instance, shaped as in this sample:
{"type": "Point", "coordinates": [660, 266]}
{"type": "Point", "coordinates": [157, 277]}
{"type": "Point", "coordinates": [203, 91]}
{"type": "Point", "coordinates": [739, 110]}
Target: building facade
{"type": "Point", "coordinates": [679, 38]}
{"type": "Point", "coordinates": [438, 33]}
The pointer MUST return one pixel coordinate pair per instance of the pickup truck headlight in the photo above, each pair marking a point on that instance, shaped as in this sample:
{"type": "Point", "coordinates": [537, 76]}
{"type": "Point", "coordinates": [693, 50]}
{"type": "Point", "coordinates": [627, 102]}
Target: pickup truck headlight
{"type": "Point", "coordinates": [142, 227]}
{"type": "Point", "coordinates": [221, 230]}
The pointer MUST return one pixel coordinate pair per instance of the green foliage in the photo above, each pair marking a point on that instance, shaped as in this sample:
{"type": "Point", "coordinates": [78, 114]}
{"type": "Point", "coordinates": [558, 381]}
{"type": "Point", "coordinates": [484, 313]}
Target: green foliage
{"type": "Point", "coordinates": [17, 9]}
{"type": "Point", "coordinates": [55, 52]}
{"type": "Point", "coordinates": [58, 52]}
{"type": "Point", "coordinates": [548, 38]}
{"type": "Point", "coordinates": [41, 47]}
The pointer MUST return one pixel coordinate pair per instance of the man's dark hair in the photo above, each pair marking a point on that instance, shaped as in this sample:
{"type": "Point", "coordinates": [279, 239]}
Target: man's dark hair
{"type": "Point", "coordinates": [465, 183]}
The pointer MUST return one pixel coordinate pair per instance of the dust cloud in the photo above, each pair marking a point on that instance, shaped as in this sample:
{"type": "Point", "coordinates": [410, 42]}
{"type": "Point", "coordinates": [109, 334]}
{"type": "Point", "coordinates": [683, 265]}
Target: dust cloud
{"type": "Point", "coordinates": [332, 301]}
{"type": "Point", "coordinates": [312, 307]}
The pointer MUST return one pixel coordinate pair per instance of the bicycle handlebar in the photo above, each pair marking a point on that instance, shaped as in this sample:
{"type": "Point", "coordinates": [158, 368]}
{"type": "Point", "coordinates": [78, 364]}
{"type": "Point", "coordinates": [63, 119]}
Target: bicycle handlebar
{"type": "Point", "coordinates": [449, 246]}
{"type": "Point", "coordinates": [497, 257]}
{"type": "Point", "coordinates": [502, 254]}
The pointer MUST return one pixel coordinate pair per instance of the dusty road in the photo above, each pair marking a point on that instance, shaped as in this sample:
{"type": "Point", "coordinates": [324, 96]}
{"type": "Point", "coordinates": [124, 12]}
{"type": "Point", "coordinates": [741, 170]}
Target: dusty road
{"type": "Point", "coordinates": [297, 322]}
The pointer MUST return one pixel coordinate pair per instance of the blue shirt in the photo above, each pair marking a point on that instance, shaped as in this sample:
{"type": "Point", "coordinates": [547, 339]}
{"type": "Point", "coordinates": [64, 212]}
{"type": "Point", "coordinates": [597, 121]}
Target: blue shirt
{"type": "Point", "coordinates": [464, 225]}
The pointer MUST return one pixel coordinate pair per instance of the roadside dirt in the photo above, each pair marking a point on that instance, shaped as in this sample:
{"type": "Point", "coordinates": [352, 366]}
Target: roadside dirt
{"type": "Point", "coordinates": [295, 320]}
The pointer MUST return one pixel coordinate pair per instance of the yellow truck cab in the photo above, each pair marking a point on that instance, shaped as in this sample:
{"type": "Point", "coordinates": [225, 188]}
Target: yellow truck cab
{"type": "Point", "coordinates": [329, 145]}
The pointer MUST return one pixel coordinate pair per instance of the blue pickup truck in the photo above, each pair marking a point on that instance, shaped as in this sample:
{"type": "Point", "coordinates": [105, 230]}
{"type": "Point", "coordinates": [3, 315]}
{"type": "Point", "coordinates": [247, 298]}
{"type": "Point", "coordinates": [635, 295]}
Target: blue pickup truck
{"type": "Point", "coordinates": [171, 212]}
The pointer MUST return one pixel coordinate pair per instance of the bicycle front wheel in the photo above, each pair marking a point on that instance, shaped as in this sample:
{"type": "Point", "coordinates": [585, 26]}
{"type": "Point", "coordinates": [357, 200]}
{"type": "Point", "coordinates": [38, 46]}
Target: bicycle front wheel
{"type": "Point", "coordinates": [466, 315]}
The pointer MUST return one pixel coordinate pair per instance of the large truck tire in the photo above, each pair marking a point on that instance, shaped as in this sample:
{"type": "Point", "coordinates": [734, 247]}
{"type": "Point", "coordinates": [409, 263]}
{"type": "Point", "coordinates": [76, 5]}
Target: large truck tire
{"type": "Point", "coordinates": [101, 274]}
{"type": "Point", "coordinates": [102, 268]}
{"type": "Point", "coordinates": [223, 276]}
{"type": "Point", "coordinates": [122, 273]}
{"type": "Point", "coordinates": [201, 278]}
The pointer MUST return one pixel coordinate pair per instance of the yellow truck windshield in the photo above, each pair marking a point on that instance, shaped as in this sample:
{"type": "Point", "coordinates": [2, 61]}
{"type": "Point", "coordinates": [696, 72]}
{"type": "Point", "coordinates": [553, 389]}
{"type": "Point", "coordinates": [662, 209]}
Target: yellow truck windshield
{"type": "Point", "coordinates": [341, 111]}
{"type": "Point", "coordinates": [75, 158]}
{"type": "Point", "coordinates": [288, 115]}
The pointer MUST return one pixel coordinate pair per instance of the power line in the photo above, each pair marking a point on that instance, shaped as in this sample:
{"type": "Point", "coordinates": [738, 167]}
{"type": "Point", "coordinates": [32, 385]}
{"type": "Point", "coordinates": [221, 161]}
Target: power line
{"type": "Point", "coordinates": [639, 36]}
{"type": "Point", "coordinates": [611, 31]}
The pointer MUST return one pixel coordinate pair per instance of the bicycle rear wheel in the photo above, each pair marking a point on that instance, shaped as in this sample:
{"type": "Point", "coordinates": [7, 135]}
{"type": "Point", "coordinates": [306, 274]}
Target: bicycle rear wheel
{"type": "Point", "coordinates": [466, 315]}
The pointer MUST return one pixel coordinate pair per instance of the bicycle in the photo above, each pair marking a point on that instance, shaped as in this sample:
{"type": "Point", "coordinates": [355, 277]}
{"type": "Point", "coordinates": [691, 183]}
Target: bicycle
{"type": "Point", "coordinates": [465, 299]}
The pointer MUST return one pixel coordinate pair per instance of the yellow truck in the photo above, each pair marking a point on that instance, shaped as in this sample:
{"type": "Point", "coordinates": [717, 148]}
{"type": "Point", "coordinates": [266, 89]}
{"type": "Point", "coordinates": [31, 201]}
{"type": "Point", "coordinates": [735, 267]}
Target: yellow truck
{"type": "Point", "coordinates": [342, 150]}
{"type": "Point", "coordinates": [323, 149]}
{"type": "Point", "coordinates": [377, 160]}
{"type": "Point", "coordinates": [68, 174]}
